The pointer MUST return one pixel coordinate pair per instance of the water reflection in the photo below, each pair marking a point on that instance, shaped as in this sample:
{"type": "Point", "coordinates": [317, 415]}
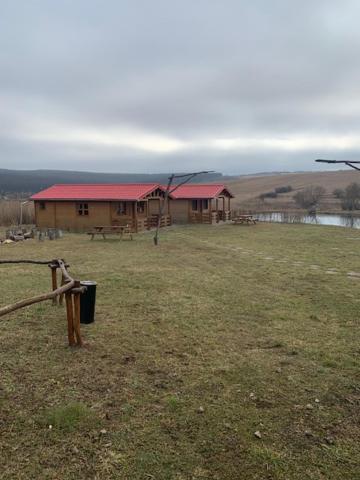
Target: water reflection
{"type": "Point", "coordinates": [319, 219]}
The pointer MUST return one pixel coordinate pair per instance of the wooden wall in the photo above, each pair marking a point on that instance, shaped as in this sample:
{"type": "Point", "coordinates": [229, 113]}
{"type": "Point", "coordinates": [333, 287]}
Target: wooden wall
{"type": "Point", "coordinates": [64, 215]}
{"type": "Point", "coordinates": [45, 218]}
{"type": "Point", "coordinates": [117, 219]}
{"type": "Point", "coordinates": [179, 210]}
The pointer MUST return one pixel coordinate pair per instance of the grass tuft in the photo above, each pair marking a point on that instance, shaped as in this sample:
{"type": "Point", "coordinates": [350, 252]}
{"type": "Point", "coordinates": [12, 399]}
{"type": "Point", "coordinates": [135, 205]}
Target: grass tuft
{"type": "Point", "coordinates": [68, 417]}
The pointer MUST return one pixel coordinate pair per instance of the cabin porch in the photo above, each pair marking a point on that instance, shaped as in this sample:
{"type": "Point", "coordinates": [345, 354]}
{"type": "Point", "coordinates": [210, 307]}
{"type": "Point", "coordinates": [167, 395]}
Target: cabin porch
{"type": "Point", "coordinates": [139, 215]}
{"type": "Point", "coordinates": [210, 211]}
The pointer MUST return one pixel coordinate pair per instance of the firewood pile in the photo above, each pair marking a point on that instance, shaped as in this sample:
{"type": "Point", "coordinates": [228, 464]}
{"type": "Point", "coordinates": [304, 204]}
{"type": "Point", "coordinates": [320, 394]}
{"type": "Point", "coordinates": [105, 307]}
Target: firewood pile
{"type": "Point", "coordinates": [20, 234]}
{"type": "Point", "coordinates": [17, 235]}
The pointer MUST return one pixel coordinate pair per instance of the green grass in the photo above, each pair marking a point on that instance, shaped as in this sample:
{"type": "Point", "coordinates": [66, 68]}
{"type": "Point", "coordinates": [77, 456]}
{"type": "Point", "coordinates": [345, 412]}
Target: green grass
{"type": "Point", "coordinates": [67, 418]}
{"type": "Point", "coordinates": [217, 333]}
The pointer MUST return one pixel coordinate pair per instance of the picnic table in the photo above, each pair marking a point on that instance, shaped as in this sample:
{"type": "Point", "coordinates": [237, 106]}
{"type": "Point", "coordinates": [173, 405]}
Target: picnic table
{"type": "Point", "coordinates": [244, 219]}
{"type": "Point", "coordinates": [103, 230]}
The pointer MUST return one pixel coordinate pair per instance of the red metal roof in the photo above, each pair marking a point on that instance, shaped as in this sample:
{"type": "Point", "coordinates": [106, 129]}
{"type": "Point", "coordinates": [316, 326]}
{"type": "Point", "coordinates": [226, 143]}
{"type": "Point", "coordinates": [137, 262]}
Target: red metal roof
{"type": "Point", "coordinates": [126, 191]}
{"type": "Point", "coordinates": [96, 191]}
{"type": "Point", "coordinates": [200, 190]}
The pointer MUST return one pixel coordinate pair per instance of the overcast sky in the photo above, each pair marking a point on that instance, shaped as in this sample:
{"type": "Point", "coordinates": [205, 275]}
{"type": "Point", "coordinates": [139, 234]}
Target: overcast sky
{"type": "Point", "coordinates": [167, 85]}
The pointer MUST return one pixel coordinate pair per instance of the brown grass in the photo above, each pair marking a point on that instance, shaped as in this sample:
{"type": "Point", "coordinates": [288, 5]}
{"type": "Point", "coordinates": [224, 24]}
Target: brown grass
{"type": "Point", "coordinates": [245, 322]}
{"type": "Point", "coordinates": [10, 213]}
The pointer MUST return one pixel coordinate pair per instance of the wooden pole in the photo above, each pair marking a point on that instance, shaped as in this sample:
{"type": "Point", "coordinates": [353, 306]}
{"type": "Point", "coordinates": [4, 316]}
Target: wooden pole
{"type": "Point", "coordinates": [54, 282]}
{"type": "Point", "coordinates": [34, 262]}
{"type": "Point", "coordinates": [77, 315]}
{"type": "Point", "coordinates": [70, 318]}
{"type": "Point", "coordinates": [135, 216]}
{"type": "Point", "coordinates": [37, 299]}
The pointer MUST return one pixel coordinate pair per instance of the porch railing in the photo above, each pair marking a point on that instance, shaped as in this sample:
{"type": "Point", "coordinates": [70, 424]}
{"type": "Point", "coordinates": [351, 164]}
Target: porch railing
{"type": "Point", "coordinates": [224, 215]}
{"type": "Point", "coordinates": [141, 224]}
{"type": "Point", "coordinates": [153, 221]}
{"type": "Point", "coordinates": [210, 217]}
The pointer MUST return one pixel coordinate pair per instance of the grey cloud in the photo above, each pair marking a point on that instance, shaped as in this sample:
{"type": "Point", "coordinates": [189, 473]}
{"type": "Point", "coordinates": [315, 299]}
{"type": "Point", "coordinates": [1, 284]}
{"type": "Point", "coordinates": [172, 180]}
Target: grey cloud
{"type": "Point", "coordinates": [186, 70]}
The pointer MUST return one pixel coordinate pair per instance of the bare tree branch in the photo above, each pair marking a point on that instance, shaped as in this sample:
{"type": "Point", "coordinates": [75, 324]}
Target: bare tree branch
{"type": "Point", "coordinates": [168, 191]}
{"type": "Point", "coordinates": [349, 163]}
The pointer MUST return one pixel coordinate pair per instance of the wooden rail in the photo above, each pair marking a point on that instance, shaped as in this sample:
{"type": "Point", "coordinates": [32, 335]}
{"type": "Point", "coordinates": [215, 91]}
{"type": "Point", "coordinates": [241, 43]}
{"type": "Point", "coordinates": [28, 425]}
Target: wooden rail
{"type": "Point", "coordinates": [70, 288]}
{"type": "Point", "coordinates": [165, 221]}
{"type": "Point", "coordinates": [210, 217]}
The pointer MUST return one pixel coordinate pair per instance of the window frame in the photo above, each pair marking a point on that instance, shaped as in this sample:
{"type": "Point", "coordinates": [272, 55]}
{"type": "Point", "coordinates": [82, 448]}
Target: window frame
{"type": "Point", "coordinates": [82, 209]}
{"type": "Point", "coordinates": [141, 207]}
{"type": "Point", "coordinates": [196, 204]}
{"type": "Point", "coordinates": [121, 208]}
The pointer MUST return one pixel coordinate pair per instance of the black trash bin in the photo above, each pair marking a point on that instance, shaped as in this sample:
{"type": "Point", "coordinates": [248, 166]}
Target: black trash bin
{"type": "Point", "coordinates": [87, 302]}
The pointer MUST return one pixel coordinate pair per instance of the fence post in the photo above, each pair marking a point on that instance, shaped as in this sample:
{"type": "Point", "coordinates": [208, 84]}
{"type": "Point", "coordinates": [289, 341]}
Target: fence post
{"type": "Point", "coordinates": [53, 267]}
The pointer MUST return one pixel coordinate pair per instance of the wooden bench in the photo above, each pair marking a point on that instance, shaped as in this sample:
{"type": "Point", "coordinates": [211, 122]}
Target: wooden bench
{"type": "Point", "coordinates": [244, 219]}
{"type": "Point", "coordinates": [104, 230]}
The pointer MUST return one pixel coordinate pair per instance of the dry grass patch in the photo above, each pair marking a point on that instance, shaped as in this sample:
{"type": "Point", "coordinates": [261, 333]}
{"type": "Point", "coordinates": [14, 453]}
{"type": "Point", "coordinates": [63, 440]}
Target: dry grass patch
{"type": "Point", "coordinates": [196, 346]}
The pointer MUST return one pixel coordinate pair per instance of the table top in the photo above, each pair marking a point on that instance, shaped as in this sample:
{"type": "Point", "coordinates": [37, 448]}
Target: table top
{"type": "Point", "coordinates": [110, 227]}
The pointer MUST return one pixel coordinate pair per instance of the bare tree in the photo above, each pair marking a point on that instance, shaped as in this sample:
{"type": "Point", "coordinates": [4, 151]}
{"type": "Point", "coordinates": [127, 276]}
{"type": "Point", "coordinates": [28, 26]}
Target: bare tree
{"type": "Point", "coordinates": [339, 193]}
{"type": "Point", "coordinates": [169, 189]}
{"type": "Point", "coordinates": [309, 197]}
{"type": "Point", "coordinates": [351, 197]}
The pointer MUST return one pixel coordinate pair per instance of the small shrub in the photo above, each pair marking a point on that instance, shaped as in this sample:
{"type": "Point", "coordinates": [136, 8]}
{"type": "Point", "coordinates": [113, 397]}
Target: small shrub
{"type": "Point", "coordinates": [339, 193]}
{"type": "Point", "coordinates": [285, 189]}
{"type": "Point", "coordinates": [173, 403]}
{"type": "Point", "coordinates": [276, 192]}
{"type": "Point", "coordinates": [268, 195]}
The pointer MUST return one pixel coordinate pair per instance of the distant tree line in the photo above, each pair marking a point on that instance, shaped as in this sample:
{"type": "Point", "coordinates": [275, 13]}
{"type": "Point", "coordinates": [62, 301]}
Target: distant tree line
{"type": "Point", "coordinates": [274, 193]}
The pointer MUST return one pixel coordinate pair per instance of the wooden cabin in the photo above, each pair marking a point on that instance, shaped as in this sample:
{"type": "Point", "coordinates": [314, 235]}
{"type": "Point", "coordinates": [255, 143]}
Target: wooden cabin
{"type": "Point", "coordinates": [200, 203]}
{"type": "Point", "coordinates": [81, 207]}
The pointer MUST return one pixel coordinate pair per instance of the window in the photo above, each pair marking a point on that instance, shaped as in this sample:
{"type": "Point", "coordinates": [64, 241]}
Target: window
{"type": "Point", "coordinates": [121, 208]}
{"type": "Point", "coordinates": [205, 204]}
{"type": "Point", "coordinates": [82, 209]}
{"type": "Point", "coordinates": [42, 205]}
{"type": "Point", "coordinates": [194, 205]}
{"type": "Point", "coordinates": [141, 207]}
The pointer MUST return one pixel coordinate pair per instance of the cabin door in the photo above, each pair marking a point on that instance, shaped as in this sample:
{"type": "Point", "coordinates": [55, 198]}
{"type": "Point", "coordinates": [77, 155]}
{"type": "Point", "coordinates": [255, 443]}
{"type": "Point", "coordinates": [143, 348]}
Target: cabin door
{"type": "Point", "coordinates": [153, 206]}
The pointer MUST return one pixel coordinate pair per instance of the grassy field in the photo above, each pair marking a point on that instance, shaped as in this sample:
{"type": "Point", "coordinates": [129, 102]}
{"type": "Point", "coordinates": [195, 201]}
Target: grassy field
{"type": "Point", "coordinates": [218, 333]}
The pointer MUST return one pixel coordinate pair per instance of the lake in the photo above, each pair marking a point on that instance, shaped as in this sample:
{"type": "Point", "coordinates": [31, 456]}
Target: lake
{"type": "Point", "coordinates": [338, 220]}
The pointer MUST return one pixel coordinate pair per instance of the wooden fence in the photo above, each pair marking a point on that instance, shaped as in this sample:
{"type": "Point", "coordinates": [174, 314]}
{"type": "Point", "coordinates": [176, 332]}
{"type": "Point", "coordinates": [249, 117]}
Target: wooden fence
{"type": "Point", "coordinates": [69, 288]}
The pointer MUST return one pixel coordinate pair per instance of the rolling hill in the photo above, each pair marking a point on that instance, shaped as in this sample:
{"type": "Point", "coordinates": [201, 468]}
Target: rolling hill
{"type": "Point", "coordinates": [248, 188]}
